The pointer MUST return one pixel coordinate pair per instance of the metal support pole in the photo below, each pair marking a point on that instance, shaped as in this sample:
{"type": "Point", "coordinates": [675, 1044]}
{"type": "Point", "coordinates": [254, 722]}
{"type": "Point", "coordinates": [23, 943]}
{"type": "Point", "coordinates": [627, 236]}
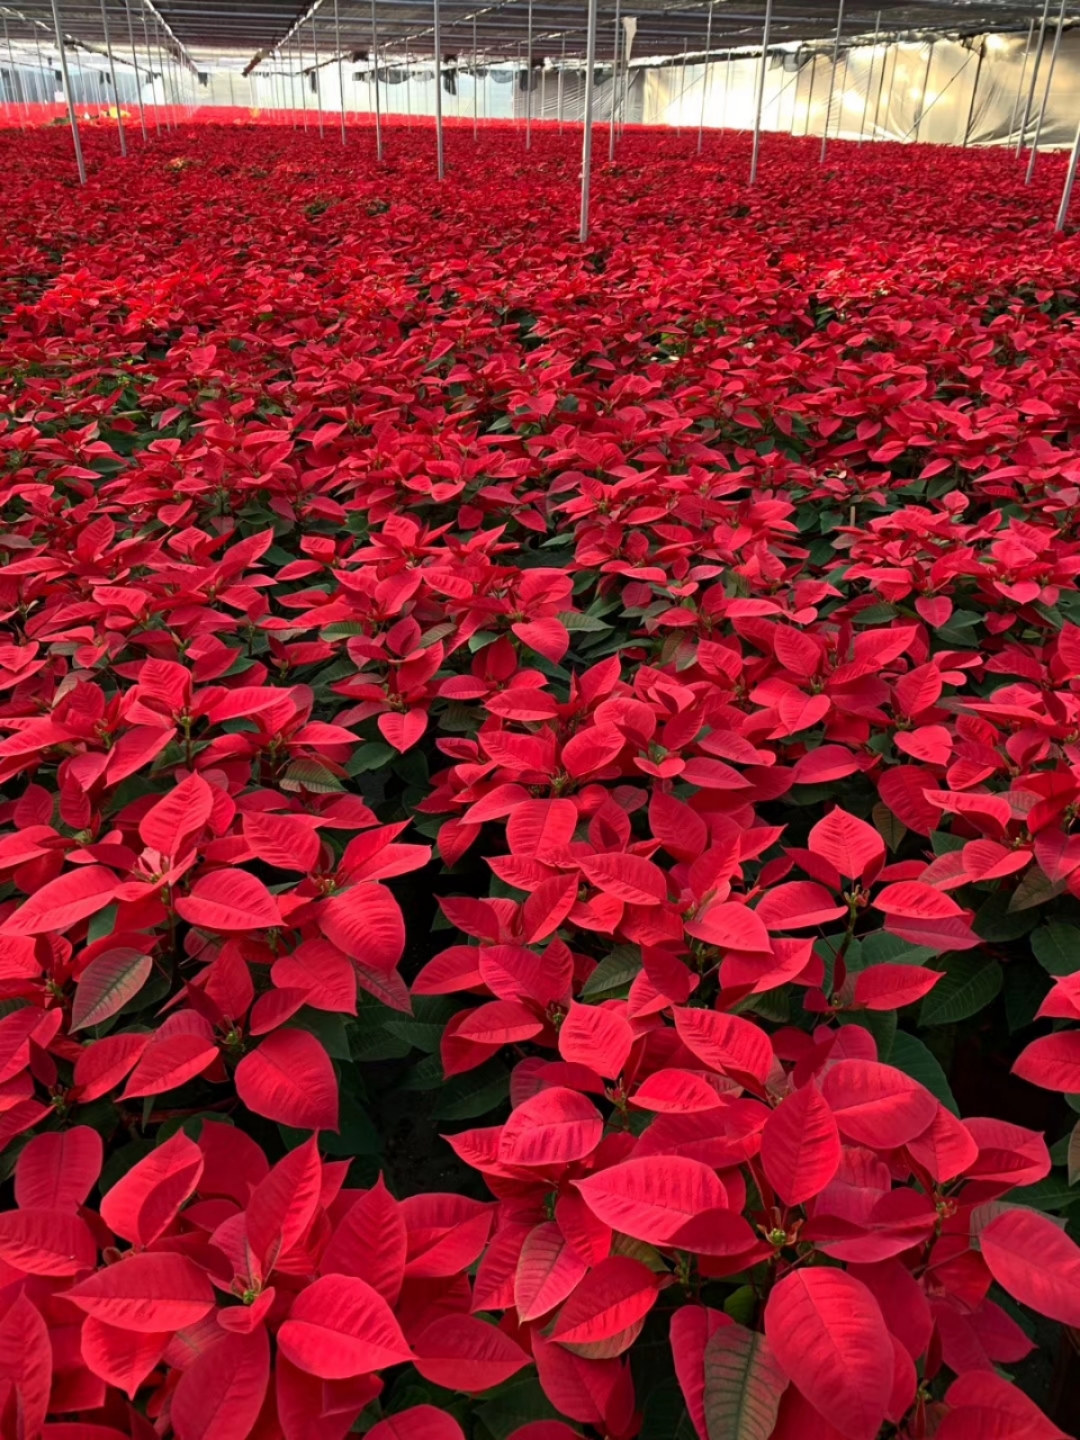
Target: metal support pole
{"type": "Point", "coordinates": [682, 86]}
{"type": "Point", "coordinates": [974, 93]}
{"type": "Point", "coordinates": [1023, 72]}
{"type": "Point", "coordinates": [559, 91]}
{"type": "Point", "coordinates": [303, 80]}
{"type": "Point", "coordinates": [756, 148]}
{"type": "Point", "coordinates": [528, 79]}
{"type": "Point", "coordinates": [437, 38]}
{"type": "Point", "coordinates": [135, 67]}
{"type": "Point", "coordinates": [922, 96]}
{"type": "Point", "coordinates": [315, 72]}
{"type": "Point", "coordinates": [112, 77]}
{"type": "Point", "coordinates": [475, 80]}
{"type": "Point", "coordinates": [869, 77]}
{"type": "Point", "coordinates": [614, 86]}
{"type": "Point", "coordinates": [150, 67]}
{"type": "Point", "coordinates": [810, 93]}
{"type": "Point", "coordinates": [705, 78]}
{"type": "Point", "coordinates": [173, 88]}
{"type": "Point", "coordinates": [843, 92]}
{"type": "Point", "coordinates": [1034, 77]}
{"type": "Point", "coordinates": [21, 87]}
{"type": "Point", "coordinates": [16, 87]}
{"type": "Point", "coordinates": [173, 97]}
{"type": "Point", "coordinates": [832, 81]}
{"type": "Point", "coordinates": [166, 81]}
{"type": "Point", "coordinates": [626, 83]}
{"type": "Point", "coordinates": [1046, 96]}
{"type": "Point", "coordinates": [1066, 194]}
{"type": "Point", "coordinates": [795, 97]}
{"type": "Point", "coordinates": [340, 72]}
{"type": "Point", "coordinates": [49, 85]}
{"type": "Point", "coordinates": [375, 63]}
{"type": "Point", "coordinates": [29, 92]}
{"type": "Point", "coordinates": [543, 86]}
{"type": "Point", "coordinates": [880, 88]}
{"type": "Point", "coordinates": [408, 88]}
{"type": "Point", "coordinates": [66, 78]}
{"type": "Point", "coordinates": [586, 139]}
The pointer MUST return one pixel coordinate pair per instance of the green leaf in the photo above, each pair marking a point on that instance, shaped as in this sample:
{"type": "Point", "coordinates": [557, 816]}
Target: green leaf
{"type": "Point", "coordinates": [1073, 1154]}
{"type": "Point", "coordinates": [372, 756]}
{"type": "Point", "coordinates": [311, 775]}
{"type": "Point", "coordinates": [328, 1028]}
{"type": "Point", "coordinates": [417, 1035]}
{"type": "Point", "coordinates": [999, 919]}
{"type": "Point", "coordinates": [190, 1124]}
{"type": "Point", "coordinates": [107, 984]}
{"type": "Point", "coordinates": [1057, 947]}
{"type": "Point", "coordinates": [1035, 888]}
{"type": "Point", "coordinates": [515, 1404]}
{"type": "Point", "coordinates": [101, 924]}
{"type": "Point", "coordinates": [1053, 1193]}
{"type": "Point", "coordinates": [426, 1074]}
{"type": "Point", "coordinates": [957, 632]}
{"type": "Point", "coordinates": [481, 639]}
{"type": "Point", "coordinates": [121, 1161]}
{"type": "Point", "coordinates": [574, 621]}
{"type": "Point", "coordinates": [910, 1055]}
{"type": "Point", "coordinates": [412, 767]}
{"type": "Point", "coordinates": [478, 1092]}
{"type": "Point", "coordinates": [891, 830]}
{"type": "Point", "coordinates": [741, 1304]}
{"type": "Point", "coordinates": [665, 1416]}
{"type": "Point", "coordinates": [881, 1024]}
{"type": "Point", "coordinates": [1025, 990]}
{"type": "Point", "coordinates": [774, 1005]}
{"type": "Point", "coordinates": [971, 982]}
{"type": "Point", "coordinates": [613, 976]}
{"type": "Point", "coordinates": [881, 948]}
{"type": "Point", "coordinates": [341, 629]}
{"type": "Point", "coordinates": [370, 1038]}
{"type": "Point", "coordinates": [880, 614]}
{"type": "Point", "coordinates": [743, 1385]}
{"type": "Point", "coordinates": [357, 1135]}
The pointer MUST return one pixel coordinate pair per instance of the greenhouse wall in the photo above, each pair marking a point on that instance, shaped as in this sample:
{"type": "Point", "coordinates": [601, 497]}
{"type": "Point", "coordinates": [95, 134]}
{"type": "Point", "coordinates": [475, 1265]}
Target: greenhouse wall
{"type": "Point", "coordinates": [941, 92]}
{"type": "Point", "coordinates": [903, 91]}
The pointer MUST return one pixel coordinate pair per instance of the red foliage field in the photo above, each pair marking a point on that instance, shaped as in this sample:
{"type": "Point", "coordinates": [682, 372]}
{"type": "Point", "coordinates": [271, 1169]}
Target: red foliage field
{"type": "Point", "coordinates": [629, 696]}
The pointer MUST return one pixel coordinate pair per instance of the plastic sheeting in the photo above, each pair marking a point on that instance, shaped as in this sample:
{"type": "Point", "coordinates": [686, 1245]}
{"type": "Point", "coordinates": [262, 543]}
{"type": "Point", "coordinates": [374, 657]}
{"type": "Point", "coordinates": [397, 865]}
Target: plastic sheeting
{"type": "Point", "coordinates": [545, 98]}
{"type": "Point", "coordinates": [904, 92]}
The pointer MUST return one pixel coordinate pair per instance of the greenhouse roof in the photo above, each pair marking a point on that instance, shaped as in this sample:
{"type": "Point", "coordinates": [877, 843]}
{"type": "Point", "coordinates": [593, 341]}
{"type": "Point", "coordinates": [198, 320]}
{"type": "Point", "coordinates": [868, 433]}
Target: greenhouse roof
{"type": "Point", "coordinates": [248, 31]}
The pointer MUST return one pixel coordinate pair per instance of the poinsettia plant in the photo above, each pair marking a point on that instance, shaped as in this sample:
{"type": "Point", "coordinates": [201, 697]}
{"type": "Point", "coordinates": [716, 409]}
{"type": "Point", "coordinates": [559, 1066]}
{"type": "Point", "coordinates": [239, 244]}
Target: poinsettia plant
{"type": "Point", "coordinates": [611, 707]}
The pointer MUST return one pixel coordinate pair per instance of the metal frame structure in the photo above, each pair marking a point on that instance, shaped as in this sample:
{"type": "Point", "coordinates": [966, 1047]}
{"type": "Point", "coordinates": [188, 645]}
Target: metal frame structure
{"type": "Point", "coordinates": [459, 34]}
{"type": "Point", "coordinates": [257, 28]}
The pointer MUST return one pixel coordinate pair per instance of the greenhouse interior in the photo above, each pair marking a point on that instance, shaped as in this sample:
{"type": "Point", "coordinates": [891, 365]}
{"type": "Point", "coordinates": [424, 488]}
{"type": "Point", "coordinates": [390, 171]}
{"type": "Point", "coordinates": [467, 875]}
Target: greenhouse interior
{"type": "Point", "coordinates": [539, 720]}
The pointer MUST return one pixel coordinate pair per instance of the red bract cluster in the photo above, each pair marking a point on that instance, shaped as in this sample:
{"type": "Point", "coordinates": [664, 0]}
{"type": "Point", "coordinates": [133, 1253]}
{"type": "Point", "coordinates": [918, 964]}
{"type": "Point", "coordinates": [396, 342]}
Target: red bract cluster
{"type": "Point", "coordinates": [685, 630]}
